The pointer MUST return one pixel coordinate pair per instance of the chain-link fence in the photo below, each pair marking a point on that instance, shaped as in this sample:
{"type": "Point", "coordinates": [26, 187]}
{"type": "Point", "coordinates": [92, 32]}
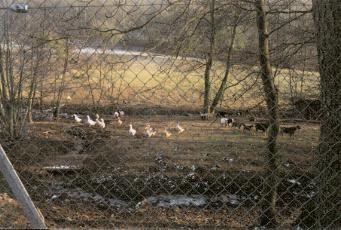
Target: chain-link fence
{"type": "Point", "coordinates": [168, 113]}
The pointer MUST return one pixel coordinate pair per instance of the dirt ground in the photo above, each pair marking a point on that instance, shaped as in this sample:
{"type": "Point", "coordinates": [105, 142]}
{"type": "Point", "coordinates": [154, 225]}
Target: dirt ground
{"type": "Point", "coordinates": [112, 179]}
{"type": "Point", "coordinates": [11, 214]}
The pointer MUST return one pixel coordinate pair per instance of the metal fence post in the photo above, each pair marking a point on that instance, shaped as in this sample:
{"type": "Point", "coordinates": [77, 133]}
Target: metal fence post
{"type": "Point", "coordinates": [19, 191]}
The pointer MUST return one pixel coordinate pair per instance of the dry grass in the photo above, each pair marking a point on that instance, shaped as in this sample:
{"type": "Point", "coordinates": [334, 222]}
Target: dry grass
{"type": "Point", "coordinates": [175, 83]}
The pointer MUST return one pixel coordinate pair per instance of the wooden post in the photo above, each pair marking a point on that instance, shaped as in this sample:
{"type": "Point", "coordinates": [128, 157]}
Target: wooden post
{"type": "Point", "coordinates": [19, 191]}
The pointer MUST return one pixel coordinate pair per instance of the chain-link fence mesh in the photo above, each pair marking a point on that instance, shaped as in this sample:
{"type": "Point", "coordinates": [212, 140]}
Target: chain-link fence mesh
{"type": "Point", "coordinates": [183, 99]}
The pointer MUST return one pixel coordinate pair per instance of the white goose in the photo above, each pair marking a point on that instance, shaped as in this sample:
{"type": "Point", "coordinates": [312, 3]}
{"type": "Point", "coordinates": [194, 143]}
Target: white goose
{"type": "Point", "coordinates": [149, 131]}
{"type": "Point", "coordinates": [179, 128]}
{"type": "Point", "coordinates": [132, 131]}
{"type": "Point", "coordinates": [119, 121]}
{"type": "Point", "coordinates": [101, 123]}
{"type": "Point", "coordinates": [167, 133]}
{"type": "Point", "coordinates": [97, 120]}
{"type": "Point", "coordinates": [77, 118]}
{"type": "Point", "coordinates": [89, 121]}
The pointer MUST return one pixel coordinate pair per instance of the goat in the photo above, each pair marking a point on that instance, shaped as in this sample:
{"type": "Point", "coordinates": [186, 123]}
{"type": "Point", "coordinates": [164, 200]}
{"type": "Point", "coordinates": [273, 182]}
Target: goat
{"type": "Point", "coordinates": [224, 121]}
{"type": "Point", "coordinates": [237, 124]}
{"type": "Point", "coordinates": [289, 130]}
{"type": "Point", "coordinates": [262, 126]}
{"type": "Point", "coordinates": [247, 127]}
{"type": "Point", "coordinates": [221, 114]}
{"type": "Point", "coordinates": [204, 116]}
{"type": "Point", "coordinates": [230, 121]}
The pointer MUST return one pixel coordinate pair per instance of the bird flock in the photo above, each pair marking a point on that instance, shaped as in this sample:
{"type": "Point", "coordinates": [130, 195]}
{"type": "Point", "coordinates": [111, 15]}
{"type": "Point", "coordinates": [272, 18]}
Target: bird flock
{"type": "Point", "coordinates": [148, 130]}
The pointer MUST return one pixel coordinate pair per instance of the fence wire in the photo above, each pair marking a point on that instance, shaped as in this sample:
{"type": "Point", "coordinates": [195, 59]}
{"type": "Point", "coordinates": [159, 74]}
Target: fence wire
{"type": "Point", "coordinates": [156, 113]}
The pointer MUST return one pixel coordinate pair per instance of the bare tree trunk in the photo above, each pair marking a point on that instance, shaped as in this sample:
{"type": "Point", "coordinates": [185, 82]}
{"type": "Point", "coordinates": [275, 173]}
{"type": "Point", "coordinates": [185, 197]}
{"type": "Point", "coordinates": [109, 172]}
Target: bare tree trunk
{"type": "Point", "coordinates": [30, 104]}
{"type": "Point", "coordinates": [33, 86]}
{"type": "Point", "coordinates": [270, 183]}
{"type": "Point", "coordinates": [222, 87]}
{"type": "Point", "coordinates": [209, 61]}
{"type": "Point", "coordinates": [323, 211]}
{"type": "Point", "coordinates": [62, 84]}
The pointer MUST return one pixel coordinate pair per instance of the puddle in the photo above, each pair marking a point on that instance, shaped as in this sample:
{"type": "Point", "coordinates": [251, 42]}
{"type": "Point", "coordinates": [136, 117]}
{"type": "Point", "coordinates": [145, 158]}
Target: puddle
{"type": "Point", "coordinates": [62, 168]}
{"type": "Point", "coordinates": [231, 199]}
{"type": "Point", "coordinates": [168, 201]}
{"type": "Point", "coordinates": [294, 181]}
{"type": "Point", "coordinates": [78, 194]}
{"type": "Point", "coordinates": [309, 194]}
{"type": "Point", "coordinates": [102, 179]}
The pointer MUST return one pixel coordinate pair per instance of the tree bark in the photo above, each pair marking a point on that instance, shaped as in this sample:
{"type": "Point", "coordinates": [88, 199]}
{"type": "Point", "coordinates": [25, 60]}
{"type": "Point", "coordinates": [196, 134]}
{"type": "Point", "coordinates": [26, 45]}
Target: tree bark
{"type": "Point", "coordinates": [323, 210]}
{"type": "Point", "coordinates": [209, 61]}
{"type": "Point", "coordinates": [222, 87]}
{"type": "Point", "coordinates": [270, 182]}
{"type": "Point", "coordinates": [62, 83]}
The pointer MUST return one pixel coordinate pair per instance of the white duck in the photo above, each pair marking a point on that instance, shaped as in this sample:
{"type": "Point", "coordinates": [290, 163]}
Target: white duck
{"type": "Point", "coordinates": [132, 131]}
{"type": "Point", "coordinates": [116, 114]}
{"type": "Point", "coordinates": [119, 121]}
{"type": "Point", "coordinates": [121, 113]}
{"type": "Point", "coordinates": [77, 118]}
{"type": "Point", "coordinates": [101, 123]}
{"type": "Point", "coordinates": [89, 121]}
{"type": "Point", "coordinates": [149, 131]}
{"type": "Point", "coordinates": [167, 133]}
{"type": "Point", "coordinates": [179, 128]}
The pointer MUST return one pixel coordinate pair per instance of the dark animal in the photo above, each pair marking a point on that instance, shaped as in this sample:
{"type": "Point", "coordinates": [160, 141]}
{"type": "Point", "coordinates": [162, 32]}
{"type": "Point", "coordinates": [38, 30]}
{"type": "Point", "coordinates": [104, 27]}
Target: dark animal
{"type": "Point", "coordinates": [261, 126]}
{"type": "Point", "coordinates": [247, 127]}
{"type": "Point", "coordinates": [230, 121]}
{"type": "Point", "coordinates": [221, 114]}
{"type": "Point", "coordinates": [237, 124]}
{"type": "Point", "coordinates": [289, 130]}
{"type": "Point", "coordinates": [204, 116]}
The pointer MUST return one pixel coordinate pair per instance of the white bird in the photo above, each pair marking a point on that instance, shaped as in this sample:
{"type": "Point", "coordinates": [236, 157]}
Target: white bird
{"type": "Point", "coordinates": [68, 98]}
{"type": "Point", "coordinates": [167, 133]}
{"type": "Point", "coordinates": [121, 113]}
{"type": "Point", "coordinates": [147, 127]}
{"type": "Point", "coordinates": [179, 128]}
{"type": "Point", "coordinates": [98, 122]}
{"type": "Point", "coordinates": [119, 121]}
{"type": "Point", "coordinates": [89, 121]}
{"type": "Point", "coordinates": [77, 119]}
{"type": "Point", "coordinates": [116, 114]}
{"type": "Point", "coordinates": [149, 131]}
{"type": "Point", "coordinates": [132, 131]}
{"type": "Point", "coordinates": [101, 123]}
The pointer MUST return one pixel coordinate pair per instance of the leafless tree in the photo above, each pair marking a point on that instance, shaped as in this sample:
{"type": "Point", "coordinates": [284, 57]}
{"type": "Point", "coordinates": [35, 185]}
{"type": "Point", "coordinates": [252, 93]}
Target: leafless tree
{"type": "Point", "coordinates": [270, 183]}
{"type": "Point", "coordinates": [209, 58]}
{"type": "Point", "coordinates": [322, 211]}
